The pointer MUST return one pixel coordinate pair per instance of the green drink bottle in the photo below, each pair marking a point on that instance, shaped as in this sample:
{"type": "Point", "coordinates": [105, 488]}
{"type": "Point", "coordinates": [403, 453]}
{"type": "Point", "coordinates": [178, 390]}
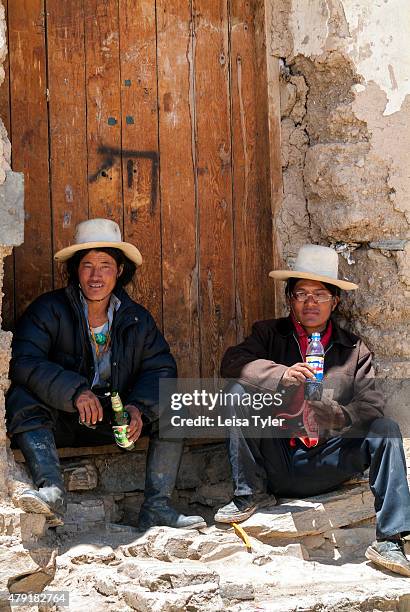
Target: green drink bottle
{"type": "Point", "coordinates": [121, 422]}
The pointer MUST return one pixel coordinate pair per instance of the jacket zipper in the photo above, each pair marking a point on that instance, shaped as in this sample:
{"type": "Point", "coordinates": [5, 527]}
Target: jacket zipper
{"type": "Point", "coordinates": [84, 332]}
{"type": "Point", "coordinates": [300, 352]}
{"type": "Point", "coordinates": [114, 359]}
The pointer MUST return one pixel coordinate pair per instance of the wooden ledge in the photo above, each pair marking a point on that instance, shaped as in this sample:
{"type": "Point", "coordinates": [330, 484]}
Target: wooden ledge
{"type": "Point", "coordinates": [111, 449]}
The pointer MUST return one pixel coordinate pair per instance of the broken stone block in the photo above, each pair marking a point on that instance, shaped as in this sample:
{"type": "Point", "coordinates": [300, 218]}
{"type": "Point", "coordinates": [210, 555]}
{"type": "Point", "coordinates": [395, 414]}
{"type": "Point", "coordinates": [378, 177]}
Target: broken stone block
{"type": "Point", "coordinates": [264, 553]}
{"type": "Point", "coordinates": [107, 582]}
{"type": "Point", "coordinates": [162, 543]}
{"type": "Point", "coordinates": [26, 570]}
{"type": "Point", "coordinates": [313, 541]}
{"type": "Point", "coordinates": [81, 478]}
{"type": "Point", "coordinates": [298, 551]}
{"type": "Point", "coordinates": [90, 510]}
{"type": "Point", "coordinates": [195, 598]}
{"type": "Point", "coordinates": [213, 495]}
{"type": "Point", "coordinates": [122, 473]}
{"type": "Point", "coordinates": [169, 545]}
{"type": "Point", "coordinates": [161, 576]}
{"type": "Point", "coordinates": [298, 518]}
{"type": "Point", "coordinates": [237, 590]}
{"type": "Point", "coordinates": [90, 553]}
{"type": "Point", "coordinates": [202, 597]}
{"type": "Point", "coordinates": [214, 546]}
{"type": "Point", "coordinates": [9, 521]}
{"type": "Point", "coordinates": [204, 465]}
{"type": "Point", "coordinates": [112, 511]}
{"type": "Point", "coordinates": [190, 474]}
{"type": "Point", "coordinates": [218, 468]}
{"type": "Point", "coordinates": [32, 527]}
{"type": "Point", "coordinates": [130, 506]}
{"type": "Point", "coordinates": [350, 543]}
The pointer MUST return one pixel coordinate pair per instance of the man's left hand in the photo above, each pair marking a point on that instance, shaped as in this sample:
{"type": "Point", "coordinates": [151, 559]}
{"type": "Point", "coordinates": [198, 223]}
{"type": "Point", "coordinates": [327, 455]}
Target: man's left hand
{"type": "Point", "coordinates": [135, 426]}
{"type": "Point", "coordinates": [329, 414]}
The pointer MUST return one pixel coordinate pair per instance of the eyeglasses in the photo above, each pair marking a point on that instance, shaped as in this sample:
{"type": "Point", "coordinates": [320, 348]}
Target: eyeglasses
{"type": "Point", "coordinates": [319, 298]}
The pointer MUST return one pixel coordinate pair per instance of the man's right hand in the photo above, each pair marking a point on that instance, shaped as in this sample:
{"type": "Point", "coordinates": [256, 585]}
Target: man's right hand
{"type": "Point", "coordinates": [89, 408]}
{"type": "Point", "coordinates": [297, 374]}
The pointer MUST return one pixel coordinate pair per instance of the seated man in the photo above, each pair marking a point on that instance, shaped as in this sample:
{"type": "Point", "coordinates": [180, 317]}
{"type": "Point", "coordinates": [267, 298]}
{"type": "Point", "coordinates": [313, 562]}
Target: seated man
{"type": "Point", "coordinates": [329, 440]}
{"type": "Point", "coordinates": [71, 348]}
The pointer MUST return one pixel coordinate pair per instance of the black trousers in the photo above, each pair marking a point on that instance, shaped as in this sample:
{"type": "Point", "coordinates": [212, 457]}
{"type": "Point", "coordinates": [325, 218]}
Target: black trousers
{"type": "Point", "coordinates": [273, 465]}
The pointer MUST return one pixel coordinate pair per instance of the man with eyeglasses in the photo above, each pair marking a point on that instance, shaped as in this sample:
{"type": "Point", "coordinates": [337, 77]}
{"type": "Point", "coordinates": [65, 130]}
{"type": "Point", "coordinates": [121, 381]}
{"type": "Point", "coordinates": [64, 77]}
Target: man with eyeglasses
{"type": "Point", "coordinates": [325, 442]}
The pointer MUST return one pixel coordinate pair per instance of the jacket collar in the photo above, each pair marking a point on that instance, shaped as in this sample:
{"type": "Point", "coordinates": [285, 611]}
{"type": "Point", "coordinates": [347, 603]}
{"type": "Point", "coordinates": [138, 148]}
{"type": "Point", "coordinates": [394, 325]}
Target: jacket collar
{"type": "Point", "coordinates": [126, 304]}
{"type": "Point", "coordinates": [285, 328]}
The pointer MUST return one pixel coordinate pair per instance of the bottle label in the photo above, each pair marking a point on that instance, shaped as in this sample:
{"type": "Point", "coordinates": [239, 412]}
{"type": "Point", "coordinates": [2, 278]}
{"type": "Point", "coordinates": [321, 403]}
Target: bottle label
{"type": "Point", "coordinates": [120, 435]}
{"type": "Point", "coordinates": [317, 363]}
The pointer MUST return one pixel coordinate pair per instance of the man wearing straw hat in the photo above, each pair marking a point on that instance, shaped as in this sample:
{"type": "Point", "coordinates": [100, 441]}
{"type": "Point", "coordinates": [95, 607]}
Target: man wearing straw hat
{"type": "Point", "coordinates": [71, 348]}
{"type": "Point", "coordinates": [328, 441]}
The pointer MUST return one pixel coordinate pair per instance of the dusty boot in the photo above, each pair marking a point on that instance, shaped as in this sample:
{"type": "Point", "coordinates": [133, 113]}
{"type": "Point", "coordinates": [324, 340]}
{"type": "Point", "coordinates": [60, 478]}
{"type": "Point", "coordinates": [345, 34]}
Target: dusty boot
{"type": "Point", "coordinates": [164, 457]}
{"type": "Point", "coordinates": [39, 450]}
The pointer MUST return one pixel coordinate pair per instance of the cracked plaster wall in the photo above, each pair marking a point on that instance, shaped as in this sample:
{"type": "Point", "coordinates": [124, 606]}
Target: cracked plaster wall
{"type": "Point", "coordinates": [345, 111]}
{"type": "Point", "coordinates": [11, 234]}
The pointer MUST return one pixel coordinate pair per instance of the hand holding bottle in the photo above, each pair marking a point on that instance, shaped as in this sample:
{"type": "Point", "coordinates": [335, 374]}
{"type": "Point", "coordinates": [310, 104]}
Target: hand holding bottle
{"type": "Point", "coordinates": [135, 426]}
{"type": "Point", "coordinates": [329, 414]}
{"type": "Point", "coordinates": [297, 374]}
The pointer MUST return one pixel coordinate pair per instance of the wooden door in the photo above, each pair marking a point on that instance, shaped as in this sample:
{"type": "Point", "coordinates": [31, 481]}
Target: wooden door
{"type": "Point", "coordinates": [154, 114]}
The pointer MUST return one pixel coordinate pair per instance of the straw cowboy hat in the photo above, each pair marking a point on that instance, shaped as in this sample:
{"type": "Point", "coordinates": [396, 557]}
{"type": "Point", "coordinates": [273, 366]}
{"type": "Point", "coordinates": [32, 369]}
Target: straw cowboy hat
{"type": "Point", "coordinates": [96, 233]}
{"type": "Point", "coordinates": [317, 263]}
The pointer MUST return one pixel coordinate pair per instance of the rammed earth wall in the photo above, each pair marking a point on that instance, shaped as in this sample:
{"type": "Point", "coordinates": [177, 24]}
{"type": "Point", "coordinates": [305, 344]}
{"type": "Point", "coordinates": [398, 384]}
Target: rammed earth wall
{"type": "Point", "coordinates": [345, 106]}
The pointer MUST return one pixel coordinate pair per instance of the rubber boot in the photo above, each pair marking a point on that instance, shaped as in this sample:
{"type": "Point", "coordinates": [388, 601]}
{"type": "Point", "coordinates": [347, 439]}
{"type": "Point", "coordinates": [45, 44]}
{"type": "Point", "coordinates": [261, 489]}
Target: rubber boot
{"type": "Point", "coordinates": [40, 452]}
{"type": "Point", "coordinates": [163, 460]}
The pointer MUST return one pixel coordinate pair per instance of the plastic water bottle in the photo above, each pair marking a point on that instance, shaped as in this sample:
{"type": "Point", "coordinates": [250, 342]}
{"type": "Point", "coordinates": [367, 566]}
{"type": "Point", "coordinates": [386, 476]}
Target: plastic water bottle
{"type": "Point", "coordinates": [315, 357]}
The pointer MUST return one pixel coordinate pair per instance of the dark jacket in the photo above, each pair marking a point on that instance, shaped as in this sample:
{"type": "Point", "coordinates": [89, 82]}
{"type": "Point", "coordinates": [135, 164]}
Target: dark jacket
{"type": "Point", "coordinates": [262, 358]}
{"type": "Point", "coordinates": [52, 359]}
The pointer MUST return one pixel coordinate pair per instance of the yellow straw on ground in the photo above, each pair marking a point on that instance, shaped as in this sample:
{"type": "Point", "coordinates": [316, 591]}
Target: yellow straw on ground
{"type": "Point", "coordinates": [240, 532]}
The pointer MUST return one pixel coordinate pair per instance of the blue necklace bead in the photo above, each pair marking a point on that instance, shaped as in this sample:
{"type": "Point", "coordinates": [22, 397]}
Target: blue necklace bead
{"type": "Point", "coordinates": [100, 338]}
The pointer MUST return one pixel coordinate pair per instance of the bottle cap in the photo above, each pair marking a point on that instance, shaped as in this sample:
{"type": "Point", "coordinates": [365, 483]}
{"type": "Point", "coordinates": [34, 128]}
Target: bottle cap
{"type": "Point", "coordinates": [316, 336]}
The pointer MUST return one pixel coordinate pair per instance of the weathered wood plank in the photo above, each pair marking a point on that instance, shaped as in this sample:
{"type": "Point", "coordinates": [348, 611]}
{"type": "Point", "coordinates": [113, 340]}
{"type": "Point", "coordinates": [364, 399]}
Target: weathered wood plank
{"type": "Point", "coordinates": [214, 177]}
{"type": "Point", "coordinates": [111, 449]}
{"type": "Point", "coordinates": [274, 123]}
{"type": "Point", "coordinates": [269, 94]}
{"type": "Point", "coordinates": [178, 192]}
{"type": "Point", "coordinates": [67, 107]}
{"type": "Point", "coordinates": [140, 159]}
{"type": "Point", "coordinates": [29, 129]}
{"type": "Point", "coordinates": [252, 207]}
{"type": "Point", "coordinates": [103, 109]}
{"type": "Point", "coordinates": [7, 312]}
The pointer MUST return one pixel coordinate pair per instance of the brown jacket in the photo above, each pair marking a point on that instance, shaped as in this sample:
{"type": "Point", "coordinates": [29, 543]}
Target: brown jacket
{"type": "Point", "coordinates": [262, 358]}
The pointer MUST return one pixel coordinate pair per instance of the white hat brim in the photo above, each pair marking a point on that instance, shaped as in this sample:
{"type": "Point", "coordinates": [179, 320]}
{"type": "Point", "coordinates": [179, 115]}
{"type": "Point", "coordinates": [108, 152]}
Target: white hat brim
{"type": "Point", "coordinates": [128, 249]}
{"type": "Point", "coordinates": [286, 274]}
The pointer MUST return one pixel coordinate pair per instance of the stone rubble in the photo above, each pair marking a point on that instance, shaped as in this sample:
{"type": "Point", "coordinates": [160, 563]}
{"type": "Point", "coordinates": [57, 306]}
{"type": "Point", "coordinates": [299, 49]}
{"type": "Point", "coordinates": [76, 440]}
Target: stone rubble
{"type": "Point", "coordinates": [299, 548]}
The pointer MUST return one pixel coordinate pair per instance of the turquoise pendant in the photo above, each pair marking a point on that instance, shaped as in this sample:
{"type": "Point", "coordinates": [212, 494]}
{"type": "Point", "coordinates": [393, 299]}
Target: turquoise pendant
{"type": "Point", "coordinates": [100, 338]}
